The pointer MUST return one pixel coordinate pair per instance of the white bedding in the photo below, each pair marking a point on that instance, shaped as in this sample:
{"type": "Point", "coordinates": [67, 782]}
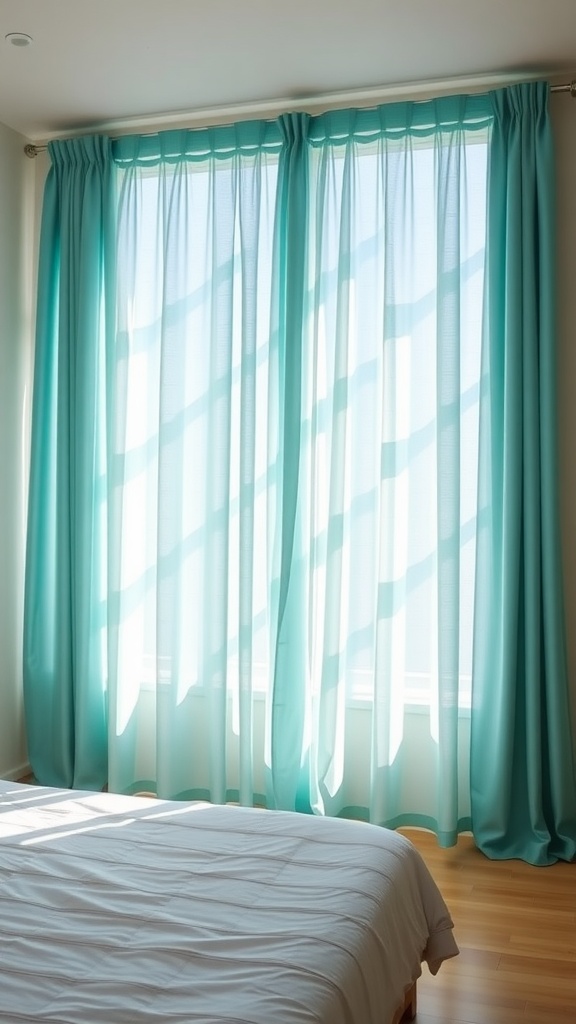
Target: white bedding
{"type": "Point", "coordinates": [116, 910]}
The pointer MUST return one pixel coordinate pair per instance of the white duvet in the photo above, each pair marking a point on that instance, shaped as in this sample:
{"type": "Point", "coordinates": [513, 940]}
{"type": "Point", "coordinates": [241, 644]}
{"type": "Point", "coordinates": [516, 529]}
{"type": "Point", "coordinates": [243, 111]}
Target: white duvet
{"type": "Point", "coordinates": [116, 910]}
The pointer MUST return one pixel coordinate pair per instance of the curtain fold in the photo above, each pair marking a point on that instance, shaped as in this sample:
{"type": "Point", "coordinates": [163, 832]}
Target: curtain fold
{"type": "Point", "coordinates": [522, 773]}
{"type": "Point", "coordinates": [65, 668]}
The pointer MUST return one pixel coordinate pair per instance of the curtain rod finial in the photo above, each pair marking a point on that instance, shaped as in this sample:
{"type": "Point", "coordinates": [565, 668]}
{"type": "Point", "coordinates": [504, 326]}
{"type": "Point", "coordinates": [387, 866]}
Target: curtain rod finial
{"type": "Point", "coordinates": [31, 150]}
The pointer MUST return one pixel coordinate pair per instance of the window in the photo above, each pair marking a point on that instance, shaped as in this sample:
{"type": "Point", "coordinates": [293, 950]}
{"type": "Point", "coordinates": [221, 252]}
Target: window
{"type": "Point", "coordinates": [394, 237]}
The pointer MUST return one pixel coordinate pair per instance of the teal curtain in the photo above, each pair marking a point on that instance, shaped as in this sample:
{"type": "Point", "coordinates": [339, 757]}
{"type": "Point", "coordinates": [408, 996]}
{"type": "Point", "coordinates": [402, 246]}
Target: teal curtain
{"type": "Point", "coordinates": [65, 658]}
{"type": "Point", "coordinates": [288, 778]}
{"type": "Point", "coordinates": [522, 773]}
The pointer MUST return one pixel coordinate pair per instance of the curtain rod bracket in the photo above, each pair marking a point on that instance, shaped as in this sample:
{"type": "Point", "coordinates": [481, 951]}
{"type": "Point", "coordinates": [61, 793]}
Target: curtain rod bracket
{"type": "Point", "coordinates": [31, 150]}
{"type": "Point", "coordinates": [569, 87]}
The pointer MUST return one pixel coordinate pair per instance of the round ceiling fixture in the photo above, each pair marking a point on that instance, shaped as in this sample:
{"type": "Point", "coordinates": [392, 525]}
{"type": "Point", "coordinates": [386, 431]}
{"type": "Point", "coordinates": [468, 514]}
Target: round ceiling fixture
{"type": "Point", "coordinates": [18, 38]}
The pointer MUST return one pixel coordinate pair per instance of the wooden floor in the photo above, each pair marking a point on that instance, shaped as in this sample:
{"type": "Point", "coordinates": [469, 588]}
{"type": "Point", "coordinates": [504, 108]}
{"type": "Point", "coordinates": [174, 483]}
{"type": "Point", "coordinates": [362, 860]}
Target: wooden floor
{"type": "Point", "coordinates": [516, 929]}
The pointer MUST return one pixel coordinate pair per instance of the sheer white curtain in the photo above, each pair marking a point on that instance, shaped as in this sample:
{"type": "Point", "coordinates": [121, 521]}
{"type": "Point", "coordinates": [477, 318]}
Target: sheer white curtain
{"type": "Point", "coordinates": [384, 211]}
{"type": "Point", "coordinates": [192, 489]}
{"type": "Point", "coordinates": [396, 275]}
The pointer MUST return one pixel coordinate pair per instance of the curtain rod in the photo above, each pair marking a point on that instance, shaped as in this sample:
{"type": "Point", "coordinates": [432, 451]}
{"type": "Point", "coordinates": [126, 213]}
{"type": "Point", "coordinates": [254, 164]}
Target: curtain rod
{"type": "Point", "coordinates": [567, 87]}
{"type": "Point", "coordinates": [31, 150]}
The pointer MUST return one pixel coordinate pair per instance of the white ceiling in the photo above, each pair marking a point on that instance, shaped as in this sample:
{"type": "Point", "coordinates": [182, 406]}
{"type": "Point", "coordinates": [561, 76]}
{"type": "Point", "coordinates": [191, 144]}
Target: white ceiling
{"type": "Point", "coordinates": [99, 62]}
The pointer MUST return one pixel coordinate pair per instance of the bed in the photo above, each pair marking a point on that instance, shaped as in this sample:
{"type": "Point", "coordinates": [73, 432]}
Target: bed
{"type": "Point", "coordinates": [120, 909]}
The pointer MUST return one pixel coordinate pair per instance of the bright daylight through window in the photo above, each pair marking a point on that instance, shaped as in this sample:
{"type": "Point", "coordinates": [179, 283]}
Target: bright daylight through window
{"type": "Point", "coordinates": [388, 454]}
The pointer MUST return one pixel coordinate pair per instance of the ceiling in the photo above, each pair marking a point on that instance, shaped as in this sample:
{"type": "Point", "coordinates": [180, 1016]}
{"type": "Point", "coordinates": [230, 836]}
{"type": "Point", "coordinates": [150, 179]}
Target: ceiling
{"type": "Point", "coordinates": [96, 63]}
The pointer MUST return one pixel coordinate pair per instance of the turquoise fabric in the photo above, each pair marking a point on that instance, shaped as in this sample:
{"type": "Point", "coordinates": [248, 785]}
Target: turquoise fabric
{"type": "Point", "coordinates": [65, 668]}
{"type": "Point", "coordinates": [522, 773]}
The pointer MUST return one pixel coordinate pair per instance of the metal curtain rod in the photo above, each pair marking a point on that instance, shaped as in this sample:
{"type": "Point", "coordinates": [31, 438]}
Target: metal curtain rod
{"type": "Point", "coordinates": [32, 150]}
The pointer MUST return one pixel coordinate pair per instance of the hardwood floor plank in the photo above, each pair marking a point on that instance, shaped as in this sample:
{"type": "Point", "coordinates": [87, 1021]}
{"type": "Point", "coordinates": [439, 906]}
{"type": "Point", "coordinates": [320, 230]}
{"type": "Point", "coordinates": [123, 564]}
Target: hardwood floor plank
{"type": "Point", "coordinates": [538, 965]}
{"type": "Point", "coordinates": [544, 1014]}
{"type": "Point", "coordinates": [516, 928]}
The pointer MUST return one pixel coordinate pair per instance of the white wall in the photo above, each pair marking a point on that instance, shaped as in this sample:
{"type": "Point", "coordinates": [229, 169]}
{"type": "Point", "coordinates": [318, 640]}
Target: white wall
{"type": "Point", "coordinates": [16, 269]}
{"type": "Point", "coordinates": [563, 110]}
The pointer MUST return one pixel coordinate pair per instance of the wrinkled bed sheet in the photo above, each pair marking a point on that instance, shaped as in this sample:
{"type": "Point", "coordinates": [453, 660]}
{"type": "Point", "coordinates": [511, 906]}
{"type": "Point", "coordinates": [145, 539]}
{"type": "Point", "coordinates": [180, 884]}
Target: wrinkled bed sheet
{"type": "Point", "coordinates": [115, 910]}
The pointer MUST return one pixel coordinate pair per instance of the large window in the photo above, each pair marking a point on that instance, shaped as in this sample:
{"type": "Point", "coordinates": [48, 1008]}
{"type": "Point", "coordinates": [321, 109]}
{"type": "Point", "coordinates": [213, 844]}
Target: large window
{"type": "Point", "coordinates": [293, 488]}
